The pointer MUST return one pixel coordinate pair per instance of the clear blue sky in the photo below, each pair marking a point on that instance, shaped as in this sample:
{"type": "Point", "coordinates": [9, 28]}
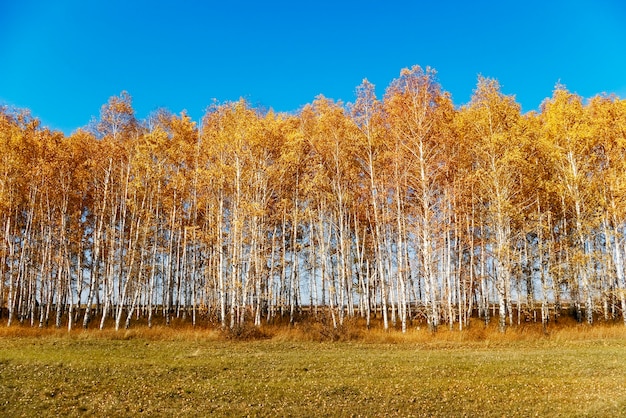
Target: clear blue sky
{"type": "Point", "coordinates": [64, 59]}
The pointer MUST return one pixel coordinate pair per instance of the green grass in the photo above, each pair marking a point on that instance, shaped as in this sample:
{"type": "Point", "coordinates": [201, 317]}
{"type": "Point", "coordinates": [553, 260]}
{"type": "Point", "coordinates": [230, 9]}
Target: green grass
{"type": "Point", "coordinates": [198, 373]}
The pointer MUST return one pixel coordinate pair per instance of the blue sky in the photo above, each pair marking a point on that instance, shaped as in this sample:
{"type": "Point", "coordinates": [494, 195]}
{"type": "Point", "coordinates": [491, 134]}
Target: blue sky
{"type": "Point", "coordinates": [64, 59]}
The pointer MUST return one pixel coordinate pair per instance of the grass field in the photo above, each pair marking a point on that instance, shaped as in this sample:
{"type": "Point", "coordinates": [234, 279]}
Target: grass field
{"type": "Point", "coordinates": [162, 372]}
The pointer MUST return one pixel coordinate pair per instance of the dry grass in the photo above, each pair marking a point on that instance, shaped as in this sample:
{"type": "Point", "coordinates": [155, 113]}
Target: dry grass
{"type": "Point", "coordinates": [312, 369]}
{"type": "Point", "coordinates": [353, 330]}
{"type": "Point", "coordinates": [182, 371]}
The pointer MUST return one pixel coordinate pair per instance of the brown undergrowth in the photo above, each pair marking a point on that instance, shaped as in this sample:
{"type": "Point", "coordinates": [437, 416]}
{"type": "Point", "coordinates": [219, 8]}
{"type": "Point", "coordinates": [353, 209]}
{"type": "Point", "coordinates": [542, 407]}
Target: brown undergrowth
{"type": "Point", "coordinates": [322, 328]}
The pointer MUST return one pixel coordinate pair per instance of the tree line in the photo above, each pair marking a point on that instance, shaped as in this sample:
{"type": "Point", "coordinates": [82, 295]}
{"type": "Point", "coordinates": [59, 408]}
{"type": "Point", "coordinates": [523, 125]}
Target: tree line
{"type": "Point", "coordinates": [404, 208]}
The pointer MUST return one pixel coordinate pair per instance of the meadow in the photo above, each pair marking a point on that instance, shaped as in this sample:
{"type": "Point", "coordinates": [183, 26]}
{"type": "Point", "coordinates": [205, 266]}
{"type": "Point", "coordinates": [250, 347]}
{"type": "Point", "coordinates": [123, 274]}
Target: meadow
{"type": "Point", "coordinates": [574, 371]}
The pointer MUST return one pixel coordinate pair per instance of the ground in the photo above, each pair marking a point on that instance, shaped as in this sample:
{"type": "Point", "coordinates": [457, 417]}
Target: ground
{"type": "Point", "coordinates": [201, 372]}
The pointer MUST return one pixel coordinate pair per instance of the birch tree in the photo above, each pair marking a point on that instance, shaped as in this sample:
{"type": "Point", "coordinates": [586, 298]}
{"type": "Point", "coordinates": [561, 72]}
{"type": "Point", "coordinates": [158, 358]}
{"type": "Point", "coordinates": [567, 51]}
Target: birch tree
{"type": "Point", "coordinates": [417, 111]}
{"type": "Point", "coordinates": [490, 121]}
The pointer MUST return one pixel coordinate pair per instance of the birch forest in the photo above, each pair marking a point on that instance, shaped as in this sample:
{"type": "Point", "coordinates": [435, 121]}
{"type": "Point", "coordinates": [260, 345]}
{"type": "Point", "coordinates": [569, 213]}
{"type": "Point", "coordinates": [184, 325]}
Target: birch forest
{"type": "Point", "coordinates": [402, 209]}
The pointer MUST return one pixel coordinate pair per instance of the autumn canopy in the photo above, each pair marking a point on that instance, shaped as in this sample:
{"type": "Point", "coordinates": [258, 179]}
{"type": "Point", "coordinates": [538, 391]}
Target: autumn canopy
{"type": "Point", "coordinates": [403, 208]}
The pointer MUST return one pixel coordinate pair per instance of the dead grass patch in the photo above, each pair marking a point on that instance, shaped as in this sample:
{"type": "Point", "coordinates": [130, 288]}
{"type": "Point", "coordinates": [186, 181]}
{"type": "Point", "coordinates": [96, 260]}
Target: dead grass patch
{"type": "Point", "coordinates": [321, 328]}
